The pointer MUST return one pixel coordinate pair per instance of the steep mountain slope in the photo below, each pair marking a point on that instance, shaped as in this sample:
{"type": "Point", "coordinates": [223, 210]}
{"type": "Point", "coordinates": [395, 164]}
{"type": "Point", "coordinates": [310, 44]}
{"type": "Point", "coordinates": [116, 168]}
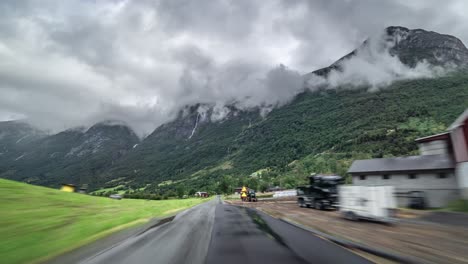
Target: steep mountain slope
{"type": "Point", "coordinates": [182, 147]}
{"type": "Point", "coordinates": [15, 138]}
{"type": "Point", "coordinates": [74, 156]}
{"type": "Point", "coordinates": [410, 46]}
{"type": "Point", "coordinates": [15, 135]}
{"type": "Point", "coordinates": [336, 124]}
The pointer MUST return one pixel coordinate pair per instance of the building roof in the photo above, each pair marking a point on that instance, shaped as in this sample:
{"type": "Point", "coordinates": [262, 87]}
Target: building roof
{"type": "Point", "coordinates": [331, 177]}
{"type": "Point", "coordinates": [441, 136]}
{"type": "Point", "coordinates": [459, 121]}
{"type": "Point", "coordinates": [401, 164]}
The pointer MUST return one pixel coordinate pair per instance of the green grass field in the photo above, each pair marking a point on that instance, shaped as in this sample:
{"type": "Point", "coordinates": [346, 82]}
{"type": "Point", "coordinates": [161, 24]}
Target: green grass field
{"type": "Point", "coordinates": [37, 223]}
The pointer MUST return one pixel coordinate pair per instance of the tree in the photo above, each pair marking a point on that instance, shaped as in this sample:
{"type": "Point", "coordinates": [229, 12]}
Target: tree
{"type": "Point", "coordinates": [180, 191]}
{"type": "Point", "coordinates": [192, 192]}
{"type": "Point", "coordinates": [252, 183]}
{"type": "Point", "coordinates": [264, 186]}
{"type": "Point", "coordinates": [225, 185]}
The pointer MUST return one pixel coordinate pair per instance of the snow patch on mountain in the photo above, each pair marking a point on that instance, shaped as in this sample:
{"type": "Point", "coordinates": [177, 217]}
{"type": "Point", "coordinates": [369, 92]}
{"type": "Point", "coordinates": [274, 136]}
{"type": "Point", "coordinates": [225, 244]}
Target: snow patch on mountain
{"type": "Point", "coordinates": [54, 155]}
{"type": "Point", "coordinates": [20, 157]}
{"type": "Point", "coordinates": [19, 140]}
{"type": "Point", "coordinates": [91, 145]}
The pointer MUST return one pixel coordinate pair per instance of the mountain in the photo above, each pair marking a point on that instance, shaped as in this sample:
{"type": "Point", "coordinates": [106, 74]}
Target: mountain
{"type": "Point", "coordinates": [190, 143]}
{"type": "Point", "coordinates": [72, 156]}
{"type": "Point", "coordinates": [15, 138]}
{"type": "Point", "coordinates": [319, 131]}
{"type": "Point", "coordinates": [16, 133]}
{"type": "Point", "coordinates": [411, 46]}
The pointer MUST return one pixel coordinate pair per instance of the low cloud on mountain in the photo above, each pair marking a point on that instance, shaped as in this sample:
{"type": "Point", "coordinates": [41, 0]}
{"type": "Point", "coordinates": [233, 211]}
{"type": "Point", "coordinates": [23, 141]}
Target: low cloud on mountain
{"type": "Point", "coordinates": [71, 63]}
{"type": "Point", "coordinates": [373, 65]}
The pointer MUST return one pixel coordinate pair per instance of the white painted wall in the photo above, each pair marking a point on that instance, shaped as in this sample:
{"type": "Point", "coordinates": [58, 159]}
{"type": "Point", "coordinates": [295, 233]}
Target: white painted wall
{"type": "Point", "coordinates": [438, 191]}
{"type": "Point", "coordinates": [433, 147]}
{"type": "Point", "coordinates": [285, 193]}
{"type": "Point", "coordinates": [462, 178]}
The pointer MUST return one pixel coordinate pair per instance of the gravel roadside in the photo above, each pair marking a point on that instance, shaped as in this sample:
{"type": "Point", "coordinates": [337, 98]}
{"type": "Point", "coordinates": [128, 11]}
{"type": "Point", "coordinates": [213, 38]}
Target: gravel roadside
{"type": "Point", "coordinates": [421, 239]}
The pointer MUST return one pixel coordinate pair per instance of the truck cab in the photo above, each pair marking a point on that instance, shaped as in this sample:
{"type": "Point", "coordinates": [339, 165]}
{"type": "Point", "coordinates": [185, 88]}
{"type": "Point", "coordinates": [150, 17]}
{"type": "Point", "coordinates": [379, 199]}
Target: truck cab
{"type": "Point", "coordinates": [252, 197]}
{"type": "Point", "coordinates": [321, 193]}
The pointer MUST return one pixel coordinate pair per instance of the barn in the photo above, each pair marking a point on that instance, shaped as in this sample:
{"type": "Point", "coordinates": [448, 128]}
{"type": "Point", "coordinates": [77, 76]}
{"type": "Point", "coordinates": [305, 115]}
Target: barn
{"type": "Point", "coordinates": [440, 172]}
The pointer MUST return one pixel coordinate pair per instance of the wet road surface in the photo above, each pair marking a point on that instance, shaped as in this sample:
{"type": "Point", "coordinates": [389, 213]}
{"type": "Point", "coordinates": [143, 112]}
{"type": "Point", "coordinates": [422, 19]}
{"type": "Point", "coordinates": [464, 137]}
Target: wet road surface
{"type": "Point", "coordinates": [183, 240]}
{"type": "Point", "coordinates": [242, 235]}
{"type": "Point", "coordinates": [214, 232]}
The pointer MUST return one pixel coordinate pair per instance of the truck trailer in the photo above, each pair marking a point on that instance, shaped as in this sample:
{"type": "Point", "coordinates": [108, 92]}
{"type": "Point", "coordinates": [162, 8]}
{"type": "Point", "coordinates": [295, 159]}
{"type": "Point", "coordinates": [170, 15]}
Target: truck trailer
{"type": "Point", "coordinates": [367, 202]}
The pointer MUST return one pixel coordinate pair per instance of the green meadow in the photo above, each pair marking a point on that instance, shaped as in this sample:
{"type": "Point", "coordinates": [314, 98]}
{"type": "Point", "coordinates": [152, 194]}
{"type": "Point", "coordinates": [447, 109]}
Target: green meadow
{"type": "Point", "coordinates": [37, 223]}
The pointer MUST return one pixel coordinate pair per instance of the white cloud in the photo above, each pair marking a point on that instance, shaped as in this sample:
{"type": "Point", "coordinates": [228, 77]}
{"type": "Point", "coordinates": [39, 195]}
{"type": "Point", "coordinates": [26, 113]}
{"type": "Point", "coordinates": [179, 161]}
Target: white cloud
{"type": "Point", "coordinates": [71, 63]}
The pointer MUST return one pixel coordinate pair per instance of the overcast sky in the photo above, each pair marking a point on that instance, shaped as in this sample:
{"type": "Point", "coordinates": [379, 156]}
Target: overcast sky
{"type": "Point", "coordinates": [69, 63]}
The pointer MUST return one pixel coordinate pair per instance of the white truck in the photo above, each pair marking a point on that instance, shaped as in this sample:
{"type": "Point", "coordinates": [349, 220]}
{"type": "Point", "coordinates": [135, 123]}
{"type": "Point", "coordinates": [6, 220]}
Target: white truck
{"type": "Point", "coordinates": [367, 202]}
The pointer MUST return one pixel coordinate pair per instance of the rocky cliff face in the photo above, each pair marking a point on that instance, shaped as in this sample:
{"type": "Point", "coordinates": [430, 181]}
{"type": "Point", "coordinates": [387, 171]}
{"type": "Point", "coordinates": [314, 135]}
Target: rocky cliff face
{"type": "Point", "coordinates": [415, 45]}
{"type": "Point", "coordinates": [411, 46]}
{"type": "Point", "coordinates": [194, 118]}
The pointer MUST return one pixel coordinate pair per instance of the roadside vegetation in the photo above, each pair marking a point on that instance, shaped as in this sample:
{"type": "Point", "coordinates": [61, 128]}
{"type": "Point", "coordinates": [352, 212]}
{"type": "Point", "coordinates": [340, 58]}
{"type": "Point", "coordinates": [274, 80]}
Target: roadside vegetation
{"type": "Point", "coordinates": [38, 222]}
{"type": "Point", "coordinates": [458, 206]}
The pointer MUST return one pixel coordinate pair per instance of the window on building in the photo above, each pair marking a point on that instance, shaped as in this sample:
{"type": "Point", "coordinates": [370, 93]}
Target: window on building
{"type": "Point", "coordinates": [412, 176]}
{"type": "Point", "coordinates": [442, 175]}
{"type": "Point", "coordinates": [386, 177]}
{"type": "Point", "coordinates": [362, 177]}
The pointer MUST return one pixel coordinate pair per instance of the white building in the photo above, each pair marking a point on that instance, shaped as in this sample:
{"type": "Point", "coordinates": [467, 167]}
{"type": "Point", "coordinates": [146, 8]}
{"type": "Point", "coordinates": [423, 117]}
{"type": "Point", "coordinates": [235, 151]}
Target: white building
{"type": "Point", "coordinates": [440, 171]}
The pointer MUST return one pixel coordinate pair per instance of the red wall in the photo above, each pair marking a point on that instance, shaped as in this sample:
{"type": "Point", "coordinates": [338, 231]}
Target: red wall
{"type": "Point", "coordinates": [460, 142]}
{"type": "Point", "coordinates": [465, 131]}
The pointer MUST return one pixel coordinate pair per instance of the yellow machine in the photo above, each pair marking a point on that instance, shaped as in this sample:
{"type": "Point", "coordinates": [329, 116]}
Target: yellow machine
{"type": "Point", "coordinates": [244, 193]}
{"type": "Point", "coordinates": [68, 188]}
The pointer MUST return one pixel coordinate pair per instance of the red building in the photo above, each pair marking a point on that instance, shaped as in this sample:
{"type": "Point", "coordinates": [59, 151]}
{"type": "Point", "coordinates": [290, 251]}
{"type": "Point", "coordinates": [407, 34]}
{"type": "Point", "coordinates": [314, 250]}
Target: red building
{"type": "Point", "coordinates": [440, 171]}
{"type": "Point", "coordinates": [459, 140]}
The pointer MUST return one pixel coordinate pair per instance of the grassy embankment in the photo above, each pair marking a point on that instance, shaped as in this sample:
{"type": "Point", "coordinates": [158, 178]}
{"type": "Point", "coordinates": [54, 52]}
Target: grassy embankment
{"type": "Point", "coordinates": [37, 222]}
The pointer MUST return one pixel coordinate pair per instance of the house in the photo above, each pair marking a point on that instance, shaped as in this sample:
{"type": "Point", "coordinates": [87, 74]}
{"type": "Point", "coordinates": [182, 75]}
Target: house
{"type": "Point", "coordinates": [83, 189]}
{"type": "Point", "coordinates": [275, 189]}
{"type": "Point", "coordinates": [237, 190]}
{"type": "Point", "coordinates": [440, 171]}
{"type": "Point", "coordinates": [68, 187]}
{"type": "Point", "coordinates": [201, 194]}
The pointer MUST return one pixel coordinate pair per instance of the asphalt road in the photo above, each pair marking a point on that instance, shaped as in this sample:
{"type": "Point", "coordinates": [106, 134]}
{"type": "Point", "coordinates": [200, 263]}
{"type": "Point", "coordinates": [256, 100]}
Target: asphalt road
{"type": "Point", "coordinates": [218, 233]}
{"type": "Point", "coordinates": [242, 235]}
{"type": "Point", "coordinates": [183, 240]}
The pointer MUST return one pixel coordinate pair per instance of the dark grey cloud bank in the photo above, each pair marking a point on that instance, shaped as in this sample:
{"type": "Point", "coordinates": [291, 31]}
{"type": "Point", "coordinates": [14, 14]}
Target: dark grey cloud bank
{"type": "Point", "coordinates": [70, 63]}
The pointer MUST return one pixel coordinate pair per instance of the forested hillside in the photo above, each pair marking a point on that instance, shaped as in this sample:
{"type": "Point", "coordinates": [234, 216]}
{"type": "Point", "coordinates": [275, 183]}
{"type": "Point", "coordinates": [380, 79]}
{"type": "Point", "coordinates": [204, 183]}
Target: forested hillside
{"type": "Point", "coordinates": [76, 156]}
{"type": "Point", "coordinates": [319, 132]}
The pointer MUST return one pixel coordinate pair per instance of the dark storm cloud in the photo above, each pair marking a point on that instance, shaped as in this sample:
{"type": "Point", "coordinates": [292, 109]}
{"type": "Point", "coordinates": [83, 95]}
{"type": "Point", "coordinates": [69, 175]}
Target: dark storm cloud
{"type": "Point", "coordinates": [69, 63]}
